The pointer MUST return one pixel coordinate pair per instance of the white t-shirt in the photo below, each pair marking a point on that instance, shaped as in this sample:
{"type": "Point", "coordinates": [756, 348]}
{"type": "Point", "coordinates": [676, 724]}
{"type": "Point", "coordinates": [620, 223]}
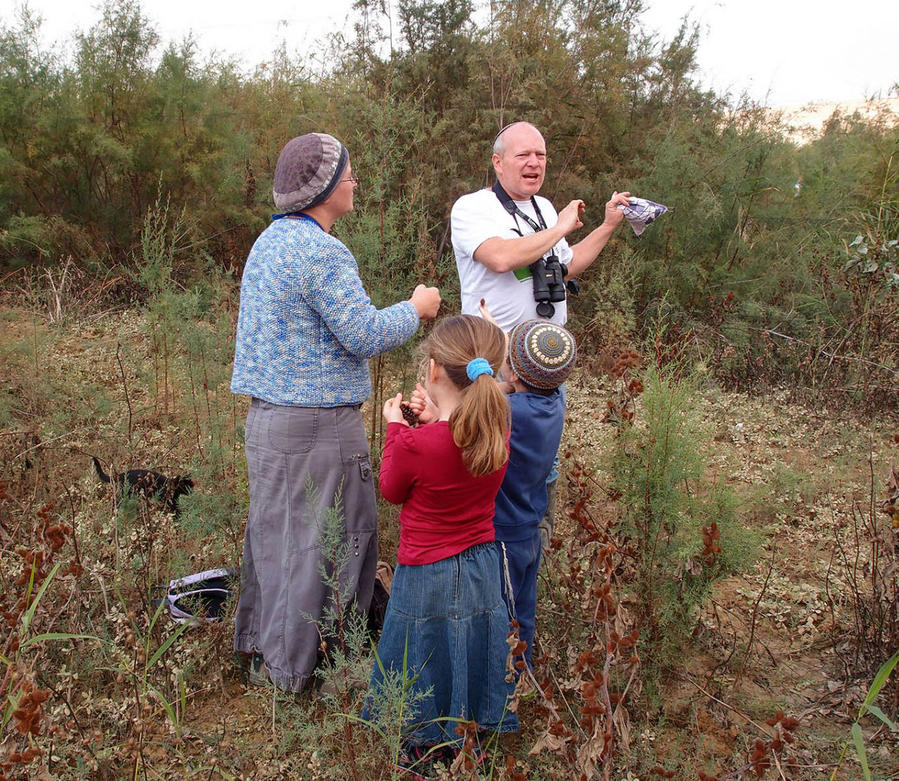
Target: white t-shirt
{"type": "Point", "coordinates": [479, 216]}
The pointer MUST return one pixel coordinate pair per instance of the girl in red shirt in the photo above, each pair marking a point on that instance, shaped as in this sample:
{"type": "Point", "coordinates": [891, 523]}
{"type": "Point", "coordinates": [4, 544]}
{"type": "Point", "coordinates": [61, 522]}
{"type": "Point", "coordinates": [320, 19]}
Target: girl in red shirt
{"type": "Point", "coordinates": [447, 619]}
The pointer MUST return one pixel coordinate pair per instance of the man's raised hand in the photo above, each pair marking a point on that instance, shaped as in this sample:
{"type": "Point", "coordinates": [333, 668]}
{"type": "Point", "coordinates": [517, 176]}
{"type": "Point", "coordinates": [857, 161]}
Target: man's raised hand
{"type": "Point", "coordinates": [570, 216]}
{"type": "Point", "coordinates": [614, 215]}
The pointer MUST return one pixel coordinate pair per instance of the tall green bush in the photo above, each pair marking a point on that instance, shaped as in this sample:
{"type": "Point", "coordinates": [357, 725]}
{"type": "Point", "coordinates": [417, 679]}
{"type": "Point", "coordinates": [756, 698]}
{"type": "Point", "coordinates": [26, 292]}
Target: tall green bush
{"type": "Point", "coordinates": [680, 529]}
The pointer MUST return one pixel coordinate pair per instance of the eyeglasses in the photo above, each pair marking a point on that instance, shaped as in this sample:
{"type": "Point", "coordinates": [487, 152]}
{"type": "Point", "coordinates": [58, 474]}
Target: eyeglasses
{"type": "Point", "coordinates": [354, 179]}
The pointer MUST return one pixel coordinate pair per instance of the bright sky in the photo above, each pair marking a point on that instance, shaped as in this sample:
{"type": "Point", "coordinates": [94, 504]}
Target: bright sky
{"type": "Point", "coordinates": [780, 52]}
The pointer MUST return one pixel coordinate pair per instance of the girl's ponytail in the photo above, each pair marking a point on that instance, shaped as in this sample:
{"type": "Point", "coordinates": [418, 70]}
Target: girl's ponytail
{"type": "Point", "coordinates": [471, 351]}
{"type": "Point", "coordinates": [480, 424]}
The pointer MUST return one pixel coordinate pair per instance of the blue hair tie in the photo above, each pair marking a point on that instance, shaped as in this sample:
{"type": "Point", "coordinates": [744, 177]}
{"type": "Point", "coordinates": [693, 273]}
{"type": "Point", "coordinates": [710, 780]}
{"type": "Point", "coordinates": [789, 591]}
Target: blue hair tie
{"type": "Point", "coordinates": [477, 367]}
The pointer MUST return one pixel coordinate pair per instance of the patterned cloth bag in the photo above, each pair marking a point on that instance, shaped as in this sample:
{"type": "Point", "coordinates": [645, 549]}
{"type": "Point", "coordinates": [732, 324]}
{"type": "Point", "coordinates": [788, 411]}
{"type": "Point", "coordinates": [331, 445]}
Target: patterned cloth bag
{"type": "Point", "coordinates": [641, 213]}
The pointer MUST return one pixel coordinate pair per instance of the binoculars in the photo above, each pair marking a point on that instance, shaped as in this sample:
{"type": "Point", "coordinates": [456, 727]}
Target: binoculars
{"type": "Point", "coordinates": [549, 283]}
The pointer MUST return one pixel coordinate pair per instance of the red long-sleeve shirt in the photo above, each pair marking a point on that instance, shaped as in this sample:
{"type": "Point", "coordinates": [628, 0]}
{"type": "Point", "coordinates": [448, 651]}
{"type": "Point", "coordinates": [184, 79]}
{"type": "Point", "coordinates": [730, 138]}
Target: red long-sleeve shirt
{"type": "Point", "coordinates": [445, 508]}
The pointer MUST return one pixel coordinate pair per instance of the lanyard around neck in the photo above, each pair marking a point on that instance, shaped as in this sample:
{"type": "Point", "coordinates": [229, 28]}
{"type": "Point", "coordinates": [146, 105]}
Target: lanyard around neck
{"type": "Point", "coordinates": [510, 206]}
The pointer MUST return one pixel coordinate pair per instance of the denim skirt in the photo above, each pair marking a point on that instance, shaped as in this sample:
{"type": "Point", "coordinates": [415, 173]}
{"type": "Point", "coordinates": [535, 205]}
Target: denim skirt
{"type": "Point", "coordinates": [449, 620]}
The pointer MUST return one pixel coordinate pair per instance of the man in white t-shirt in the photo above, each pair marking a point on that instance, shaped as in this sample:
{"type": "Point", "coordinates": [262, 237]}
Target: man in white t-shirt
{"type": "Point", "coordinates": [499, 233]}
{"type": "Point", "coordinates": [495, 244]}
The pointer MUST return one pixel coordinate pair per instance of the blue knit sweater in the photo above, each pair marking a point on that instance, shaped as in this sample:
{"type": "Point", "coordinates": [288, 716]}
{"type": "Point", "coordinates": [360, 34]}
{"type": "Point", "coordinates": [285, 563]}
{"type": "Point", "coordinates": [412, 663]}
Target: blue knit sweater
{"type": "Point", "coordinates": [306, 325]}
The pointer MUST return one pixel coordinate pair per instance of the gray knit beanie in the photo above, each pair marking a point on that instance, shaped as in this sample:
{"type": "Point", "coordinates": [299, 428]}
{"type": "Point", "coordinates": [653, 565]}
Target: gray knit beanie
{"type": "Point", "coordinates": [309, 168]}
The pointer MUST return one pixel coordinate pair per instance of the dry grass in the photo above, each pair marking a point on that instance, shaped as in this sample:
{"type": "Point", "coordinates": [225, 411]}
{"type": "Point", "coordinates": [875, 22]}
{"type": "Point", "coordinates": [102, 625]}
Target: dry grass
{"type": "Point", "coordinates": [772, 639]}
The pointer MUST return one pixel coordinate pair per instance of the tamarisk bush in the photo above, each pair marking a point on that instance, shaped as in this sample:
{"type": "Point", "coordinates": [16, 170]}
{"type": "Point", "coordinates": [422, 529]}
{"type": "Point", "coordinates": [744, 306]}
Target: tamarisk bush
{"type": "Point", "coordinates": [677, 532]}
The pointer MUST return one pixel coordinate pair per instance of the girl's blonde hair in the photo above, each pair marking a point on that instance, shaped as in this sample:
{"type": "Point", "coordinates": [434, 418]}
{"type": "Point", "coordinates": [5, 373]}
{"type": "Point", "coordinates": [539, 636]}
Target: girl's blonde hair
{"type": "Point", "coordinates": [480, 423]}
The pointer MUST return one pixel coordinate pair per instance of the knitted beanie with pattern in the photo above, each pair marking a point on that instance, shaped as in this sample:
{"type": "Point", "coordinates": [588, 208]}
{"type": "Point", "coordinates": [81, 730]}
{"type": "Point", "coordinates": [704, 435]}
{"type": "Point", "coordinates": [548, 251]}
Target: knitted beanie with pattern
{"type": "Point", "coordinates": [308, 169]}
{"type": "Point", "coordinates": [541, 353]}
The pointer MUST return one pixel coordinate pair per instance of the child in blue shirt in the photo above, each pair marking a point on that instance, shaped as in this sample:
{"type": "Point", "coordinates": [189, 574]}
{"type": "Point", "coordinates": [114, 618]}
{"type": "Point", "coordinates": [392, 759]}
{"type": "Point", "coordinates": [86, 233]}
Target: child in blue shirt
{"type": "Point", "coordinates": [541, 356]}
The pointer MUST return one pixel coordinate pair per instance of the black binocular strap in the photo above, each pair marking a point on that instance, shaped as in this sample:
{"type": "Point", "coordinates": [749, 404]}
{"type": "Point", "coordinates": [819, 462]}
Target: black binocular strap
{"type": "Point", "coordinates": [510, 206]}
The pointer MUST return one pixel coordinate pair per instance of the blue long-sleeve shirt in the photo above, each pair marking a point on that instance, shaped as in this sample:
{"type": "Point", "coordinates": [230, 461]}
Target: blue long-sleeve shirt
{"type": "Point", "coordinates": [306, 326]}
{"type": "Point", "coordinates": [537, 423]}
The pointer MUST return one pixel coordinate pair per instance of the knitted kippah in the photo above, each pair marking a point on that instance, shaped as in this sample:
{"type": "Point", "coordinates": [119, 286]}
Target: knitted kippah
{"type": "Point", "coordinates": [541, 353]}
{"type": "Point", "coordinates": [308, 169]}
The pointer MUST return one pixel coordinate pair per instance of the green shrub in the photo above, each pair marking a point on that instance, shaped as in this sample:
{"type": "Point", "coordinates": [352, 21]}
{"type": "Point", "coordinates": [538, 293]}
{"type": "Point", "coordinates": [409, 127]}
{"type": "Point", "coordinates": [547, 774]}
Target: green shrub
{"type": "Point", "coordinates": [681, 530]}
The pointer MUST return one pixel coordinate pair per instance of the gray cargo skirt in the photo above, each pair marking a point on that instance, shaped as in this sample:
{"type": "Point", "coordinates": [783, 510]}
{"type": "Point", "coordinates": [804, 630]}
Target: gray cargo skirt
{"type": "Point", "coordinates": [282, 597]}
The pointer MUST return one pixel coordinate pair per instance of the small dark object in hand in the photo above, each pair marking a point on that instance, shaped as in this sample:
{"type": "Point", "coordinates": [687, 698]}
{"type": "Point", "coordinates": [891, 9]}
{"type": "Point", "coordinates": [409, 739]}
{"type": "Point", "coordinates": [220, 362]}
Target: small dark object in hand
{"type": "Point", "coordinates": [409, 415]}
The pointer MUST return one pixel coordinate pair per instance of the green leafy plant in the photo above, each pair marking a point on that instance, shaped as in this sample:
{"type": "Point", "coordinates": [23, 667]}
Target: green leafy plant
{"type": "Point", "coordinates": [21, 698]}
{"type": "Point", "coordinates": [857, 738]}
{"type": "Point", "coordinates": [679, 530]}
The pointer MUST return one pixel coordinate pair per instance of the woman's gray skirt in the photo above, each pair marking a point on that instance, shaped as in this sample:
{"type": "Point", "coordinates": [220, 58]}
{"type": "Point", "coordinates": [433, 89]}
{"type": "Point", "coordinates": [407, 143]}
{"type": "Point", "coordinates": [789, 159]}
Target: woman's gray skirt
{"type": "Point", "coordinates": [301, 461]}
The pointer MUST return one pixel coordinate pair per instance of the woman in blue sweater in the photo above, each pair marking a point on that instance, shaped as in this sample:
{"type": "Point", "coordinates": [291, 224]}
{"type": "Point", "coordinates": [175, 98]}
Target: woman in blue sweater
{"type": "Point", "coordinates": [305, 332]}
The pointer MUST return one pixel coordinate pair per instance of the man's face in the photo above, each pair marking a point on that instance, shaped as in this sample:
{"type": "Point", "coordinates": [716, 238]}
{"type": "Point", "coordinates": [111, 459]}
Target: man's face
{"type": "Point", "coordinates": [522, 166]}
